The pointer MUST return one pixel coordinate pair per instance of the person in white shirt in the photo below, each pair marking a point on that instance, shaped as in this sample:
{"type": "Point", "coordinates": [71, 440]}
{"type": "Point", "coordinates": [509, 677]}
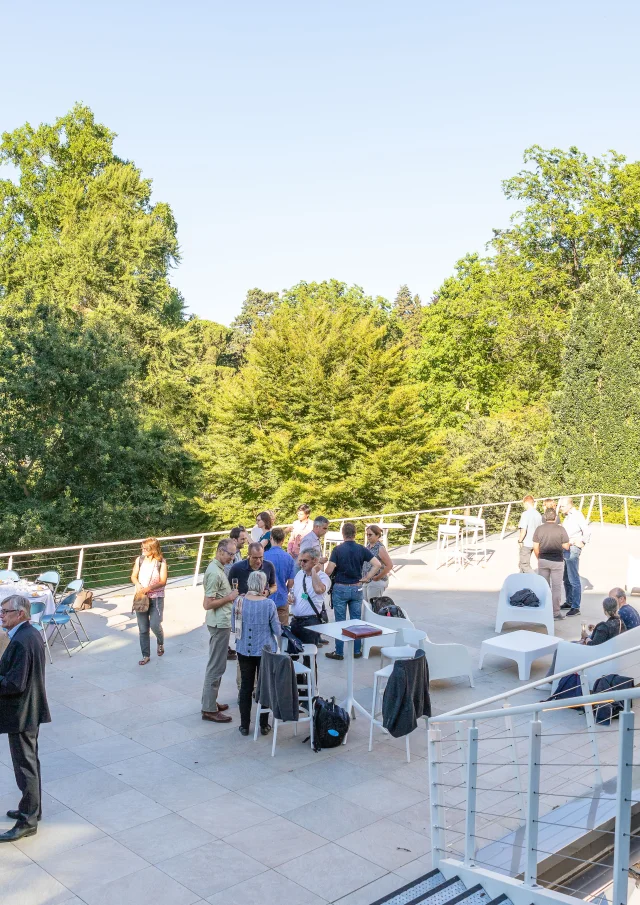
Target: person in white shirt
{"type": "Point", "coordinates": [309, 588]}
{"type": "Point", "coordinates": [577, 527]}
{"type": "Point", "coordinates": [529, 521]}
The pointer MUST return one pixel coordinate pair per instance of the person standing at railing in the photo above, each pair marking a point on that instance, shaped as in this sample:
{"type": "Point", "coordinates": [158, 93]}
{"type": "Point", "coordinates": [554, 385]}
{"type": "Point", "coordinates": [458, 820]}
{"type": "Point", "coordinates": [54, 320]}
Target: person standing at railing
{"type": "Point", "coordinates": [375, 584]}
{"type": "Point", "coordinates": [549, 541]}
{"type": "Point", "coordinates": [241, 536]}
{"type": "Point", "coordinates": [576, 526]}
{"type": "Point", "coordinates": [300, 528]}
{"type": "Point", "coordinates": [218, 600]}
{"type": "Point", "coordinates": [149, 576]}
{"type": "Point", "coordinates": [264, 521]}
{"type": "Point", "coordinates": [529, 521]}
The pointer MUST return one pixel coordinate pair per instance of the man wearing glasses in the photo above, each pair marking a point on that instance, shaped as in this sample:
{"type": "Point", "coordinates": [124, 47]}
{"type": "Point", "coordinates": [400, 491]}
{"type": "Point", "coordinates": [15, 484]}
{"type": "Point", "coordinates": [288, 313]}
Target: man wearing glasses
{"type": "Point", "coordinates": [309, 588]}
{"type": "Point", "coordinates": [23, 706]}
{"type": "Point", "coordinates": [218, 603]}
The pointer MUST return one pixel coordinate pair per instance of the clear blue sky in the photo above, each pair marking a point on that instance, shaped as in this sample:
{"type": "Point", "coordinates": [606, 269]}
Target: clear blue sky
{"type": "Point", "coordinates": [357, 139]}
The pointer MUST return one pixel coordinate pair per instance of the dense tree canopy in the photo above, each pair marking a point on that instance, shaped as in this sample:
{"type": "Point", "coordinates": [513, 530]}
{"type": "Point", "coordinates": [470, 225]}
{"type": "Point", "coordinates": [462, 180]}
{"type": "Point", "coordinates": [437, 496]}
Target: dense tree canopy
{"type": "Point", "coordinates": [123, 415]}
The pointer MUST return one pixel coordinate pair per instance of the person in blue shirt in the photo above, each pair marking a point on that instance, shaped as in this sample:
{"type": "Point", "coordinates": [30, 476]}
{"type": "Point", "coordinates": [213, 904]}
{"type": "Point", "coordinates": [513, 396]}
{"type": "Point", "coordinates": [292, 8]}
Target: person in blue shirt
{"type": "Point", "coordinates": [627, 613]}
{"type": "Point", "coordinates": [285, 568]}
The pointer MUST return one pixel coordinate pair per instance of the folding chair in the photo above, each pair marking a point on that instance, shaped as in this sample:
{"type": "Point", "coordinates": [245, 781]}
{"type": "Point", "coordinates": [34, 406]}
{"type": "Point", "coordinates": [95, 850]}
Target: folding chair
{"type": "Point", "coordinates": [58, 619]}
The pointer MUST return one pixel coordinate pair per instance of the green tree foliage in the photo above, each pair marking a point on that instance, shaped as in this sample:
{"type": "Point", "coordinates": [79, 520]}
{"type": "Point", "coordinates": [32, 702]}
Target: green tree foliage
{"type": "Point", "coordinates": [595, 443]}
{"type": "Point", "coordinates": [257, 307]}
{"type": "Point", "coordinates": [323, 411]}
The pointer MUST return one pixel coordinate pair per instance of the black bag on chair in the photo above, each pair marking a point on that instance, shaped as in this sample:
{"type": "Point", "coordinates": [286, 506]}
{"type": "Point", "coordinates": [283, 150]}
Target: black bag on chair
{"type": "Point", "coordinates": [295, 645]}
{"type": "Point", "coordinates": [330, 724]}
{"type": "Point", "coordinates": [525, 597]}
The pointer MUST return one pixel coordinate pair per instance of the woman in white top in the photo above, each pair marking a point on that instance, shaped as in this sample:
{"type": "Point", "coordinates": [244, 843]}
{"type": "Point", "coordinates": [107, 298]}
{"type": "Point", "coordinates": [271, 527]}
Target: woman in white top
{"type": "Point", "coordinates": [149, 575]}
{"type": "Point", "coordinates": [301, 527]}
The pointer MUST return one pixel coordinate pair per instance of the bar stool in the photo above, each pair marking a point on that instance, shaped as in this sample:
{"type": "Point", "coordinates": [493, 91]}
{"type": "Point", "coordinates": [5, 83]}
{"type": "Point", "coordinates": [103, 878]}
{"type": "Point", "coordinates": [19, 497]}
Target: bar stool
{"type": "Point", "coordinates": [307, 698]}
{"type": "Point", "coordinates": [474, 537]}
{"type": "Point", "coordinates": [449, 539]}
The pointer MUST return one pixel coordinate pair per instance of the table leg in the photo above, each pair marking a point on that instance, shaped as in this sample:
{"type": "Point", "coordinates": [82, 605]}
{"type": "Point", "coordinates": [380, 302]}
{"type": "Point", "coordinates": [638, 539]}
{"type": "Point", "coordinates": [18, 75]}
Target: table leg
{"type": "Point", "coordinates": [524, 667]}
{"type": "Point", "coordinates": [349, 702]}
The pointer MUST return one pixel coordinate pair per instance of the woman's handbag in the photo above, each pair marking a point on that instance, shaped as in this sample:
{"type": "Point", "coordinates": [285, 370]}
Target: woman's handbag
{"type": "Point", "coordinates": [140, 602]}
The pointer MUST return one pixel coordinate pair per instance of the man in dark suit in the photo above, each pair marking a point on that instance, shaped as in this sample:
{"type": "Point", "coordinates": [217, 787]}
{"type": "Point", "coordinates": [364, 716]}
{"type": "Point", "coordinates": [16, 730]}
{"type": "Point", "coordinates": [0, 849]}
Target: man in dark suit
{"type": "Point", "coordinates": [23, 706]}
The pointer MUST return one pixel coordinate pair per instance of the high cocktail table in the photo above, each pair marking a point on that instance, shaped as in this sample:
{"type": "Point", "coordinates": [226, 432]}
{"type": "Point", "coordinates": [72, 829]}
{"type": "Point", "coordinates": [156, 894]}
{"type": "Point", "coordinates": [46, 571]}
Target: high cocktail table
{"type": "Point", "coordinates": [523, 647]}
{"type": "Point", "coordinates": [334, 630]}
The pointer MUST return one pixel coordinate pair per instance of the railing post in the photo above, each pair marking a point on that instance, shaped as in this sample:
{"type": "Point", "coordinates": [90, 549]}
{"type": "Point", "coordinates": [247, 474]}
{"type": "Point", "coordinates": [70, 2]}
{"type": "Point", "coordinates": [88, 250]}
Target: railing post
{"type": "Point", "coordinates": [581, 506]}
{"type": "Point", "coordinates": [622, 839]}
{"type": "Point", "coordinates": [626, 514]}
{"type": "Point", "coordinates": [198, 561]}
{"type": "Point", "coordinates": [506, 522]}
{"type": "Point", "coordinates": [600, 505]}
{"type": "Point", "coordinates": [10, 563]}
{"type": "Point", "coordinates": [472, 778]}
{"type": "Point", "coordinates": [436, 802]}
{"type": "Point", "coordinates": [80, 563]}
{"type": "Point", "coordinates": [533, 802]}
{"type": "Point", "coordinates": [593, 499]}
{"type": "Point", "coordinates": [413, 532]}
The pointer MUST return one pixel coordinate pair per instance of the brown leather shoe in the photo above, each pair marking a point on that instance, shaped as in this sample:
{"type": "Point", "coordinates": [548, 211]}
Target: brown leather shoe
{"type": "Point", "coordinates": [216, 717]}
{"type": "Point", "coordinates": [222, 707]}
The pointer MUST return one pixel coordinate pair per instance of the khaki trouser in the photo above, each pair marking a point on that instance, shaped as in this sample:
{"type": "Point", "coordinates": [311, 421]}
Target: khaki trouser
{"type": "Point", "coordinates": [283, 614]}
{"type": "Point", "coordinates": [552, 573]}
{"type": "Point", "coordinates": [524, 559]}
{"type": "Point", "coordinates": [216, 665]}
{"type": "Point", "coordinates": [373, 589]}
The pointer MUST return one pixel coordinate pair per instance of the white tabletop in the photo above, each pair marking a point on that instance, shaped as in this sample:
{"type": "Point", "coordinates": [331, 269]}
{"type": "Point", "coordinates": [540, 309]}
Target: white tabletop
{"type": "Point", "coordinates": [33, 593]}
{"type": "Point", "coordinates": [523, 641]}
{"type": "Point", "coordinates": [334, 629]}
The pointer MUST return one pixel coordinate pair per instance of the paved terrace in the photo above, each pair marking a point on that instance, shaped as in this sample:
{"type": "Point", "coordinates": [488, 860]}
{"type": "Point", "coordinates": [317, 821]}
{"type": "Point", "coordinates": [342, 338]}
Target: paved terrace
{"type": "Point", "coordinates": [143, 801]}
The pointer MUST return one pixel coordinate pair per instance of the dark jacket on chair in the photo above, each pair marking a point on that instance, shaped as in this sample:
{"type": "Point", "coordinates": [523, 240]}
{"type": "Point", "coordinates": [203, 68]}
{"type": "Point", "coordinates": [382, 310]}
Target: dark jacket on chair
{"type": "Point", "coordinates": [277, 688]}
{"type": "Point", "coordinates": [23, 699]}
{"type": "Point", "coordinates": [406, 697]}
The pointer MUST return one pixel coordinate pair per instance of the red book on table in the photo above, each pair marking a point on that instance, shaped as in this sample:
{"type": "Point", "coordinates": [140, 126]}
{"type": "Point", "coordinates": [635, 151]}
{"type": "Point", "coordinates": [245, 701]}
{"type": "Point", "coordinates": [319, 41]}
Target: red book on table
{"type": "Point", "coordinates": [361, 631]}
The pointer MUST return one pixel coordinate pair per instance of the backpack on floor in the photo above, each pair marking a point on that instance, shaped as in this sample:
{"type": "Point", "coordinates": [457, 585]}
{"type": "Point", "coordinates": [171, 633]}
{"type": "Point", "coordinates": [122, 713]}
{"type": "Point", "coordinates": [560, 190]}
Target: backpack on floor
{"type": "Point", "coordinates": [84, 600]}
{"type": "Point", "coordinates": [609, 710]}
{"type": "Point", "coordinates": [568, 687]}
{"type": "Point", "coordinates": [330, 724]}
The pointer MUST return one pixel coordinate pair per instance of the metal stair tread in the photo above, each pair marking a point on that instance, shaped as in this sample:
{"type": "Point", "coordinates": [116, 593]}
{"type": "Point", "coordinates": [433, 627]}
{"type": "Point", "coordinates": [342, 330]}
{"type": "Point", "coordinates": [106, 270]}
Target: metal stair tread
{"type": "Point", "coordinates": [475, 895]}
{"type": "Point", "coordinates": [417, 889]}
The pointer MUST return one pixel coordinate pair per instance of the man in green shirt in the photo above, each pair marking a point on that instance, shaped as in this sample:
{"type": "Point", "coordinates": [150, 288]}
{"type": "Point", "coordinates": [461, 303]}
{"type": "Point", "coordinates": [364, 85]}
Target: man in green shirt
{"type": "Point", "coordinates": [218, 601]}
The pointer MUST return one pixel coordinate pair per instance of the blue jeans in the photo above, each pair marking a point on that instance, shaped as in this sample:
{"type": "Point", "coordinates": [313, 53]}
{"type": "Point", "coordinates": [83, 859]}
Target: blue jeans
{"type": "Point", "coordinates": [343, 596]}
{"type": "Point", "coordinates": [571, 577]}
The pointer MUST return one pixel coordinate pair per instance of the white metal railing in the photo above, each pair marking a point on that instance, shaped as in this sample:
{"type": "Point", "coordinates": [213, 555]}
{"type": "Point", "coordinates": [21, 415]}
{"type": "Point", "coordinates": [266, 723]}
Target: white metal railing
{"type": "Point", "coordinates": [504, 789]}
{"type": "Point", "coordinates": [108, 564]}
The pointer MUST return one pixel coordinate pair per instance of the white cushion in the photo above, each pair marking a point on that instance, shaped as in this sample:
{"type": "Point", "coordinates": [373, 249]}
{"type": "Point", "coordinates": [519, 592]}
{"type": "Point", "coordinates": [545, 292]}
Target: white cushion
{"type": "Point", "coordinates": [397, 653]}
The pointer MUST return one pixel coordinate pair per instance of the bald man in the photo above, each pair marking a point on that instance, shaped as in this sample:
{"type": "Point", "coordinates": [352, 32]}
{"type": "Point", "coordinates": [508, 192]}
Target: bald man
{"type": "Point", "coordinates": [629, 614]}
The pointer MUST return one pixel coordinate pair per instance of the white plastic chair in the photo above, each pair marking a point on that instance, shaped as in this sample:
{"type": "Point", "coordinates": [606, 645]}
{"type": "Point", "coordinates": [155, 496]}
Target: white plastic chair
{"type": "Point", "coordinates": [311, 651]}
{"type": "Point", "coordinates": [395, 622]}
{"type": "Point", "coordinates": [412, 639]}
{"type": "Point", "coordinates": [449, 542]}
{"type": "Point", "coordinates": [474, 537]}
{"type": "Point", "coordinates": [447, 661]}
{"type": "Point", "coordinates": [300, 670]}
{"type": "Point", "coordinates": [380, 679]}
{"type": "Point", "coordinates": [534, 615]}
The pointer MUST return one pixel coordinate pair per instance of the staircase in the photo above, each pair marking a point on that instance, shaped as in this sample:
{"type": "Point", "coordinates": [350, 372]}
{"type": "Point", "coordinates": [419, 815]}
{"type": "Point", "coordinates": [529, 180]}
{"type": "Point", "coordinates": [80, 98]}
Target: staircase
{"type": "Point", "coordinates": [433, 889]}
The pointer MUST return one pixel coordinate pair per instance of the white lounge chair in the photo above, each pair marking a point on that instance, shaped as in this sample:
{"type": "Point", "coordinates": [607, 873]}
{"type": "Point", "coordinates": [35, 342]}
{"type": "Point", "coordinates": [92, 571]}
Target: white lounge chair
{"type": "Point", "coordinates": [533, 615]}
{"type": "Point", "coordinates": [447, 661]}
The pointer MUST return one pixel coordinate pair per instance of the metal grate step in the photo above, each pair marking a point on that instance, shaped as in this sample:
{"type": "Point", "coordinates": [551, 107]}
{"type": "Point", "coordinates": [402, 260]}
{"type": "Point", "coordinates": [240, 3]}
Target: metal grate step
{"type": "Point", "coordinates": [406, 894]}
{"type": "Point", "coordinates": [474, 896]}
{"type": "Point", "coordinates": [501, 900]}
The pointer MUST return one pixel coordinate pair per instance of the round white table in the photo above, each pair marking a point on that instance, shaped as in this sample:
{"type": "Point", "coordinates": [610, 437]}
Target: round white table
{"type": "Point", "coordinates": [334, 630]}
{"type": "Point", "coordinates": [34, 595]}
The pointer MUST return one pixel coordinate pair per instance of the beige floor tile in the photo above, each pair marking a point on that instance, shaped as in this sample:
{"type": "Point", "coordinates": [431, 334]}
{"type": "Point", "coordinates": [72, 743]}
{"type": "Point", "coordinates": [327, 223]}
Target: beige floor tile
{"type": "Point", "coordinates": [199, 752]}
{"type": "Point", "coordinates": [282, 794]}
{"type": "Point", "coordinates": [415, 775]}
{"type": "Point", "coordinates": [386, 844]}
{"type": "Point", "coordinates": [109, 750]}
{"type": "Point", "coordinates": [72, 734]}
{"type": "Point", "coordinates": [182, 792]}
{"type": "Point", "coordinates": [145, 886]}
{"type": "Point", "coordinates": [333, 774]}
{"type": "Point", "coordinates": [121, 812]}
{"type": "Point", "coordinates": [161, 735]}
{"type": "Point", "coordinates": [212, 868]}
{"type": "Point", "coordinates": [145, 768]}
{"type": "Point", "coordinates": [33, 886]}
{"type": "Point", "coordinates": [227, 814]}
{"type": "Point", "coordinates": [270, 888]}
{"type": "Point", "coordinates": [162, 838]}
{"type": "Point", "coordinates": [62, 763]}
{"type": "Point", "coordinates": [97, 703]}
{"type": "Point", "coordinates": [232, 772]}
{"type": "Point", "coordinates": [332, 872]}
{"type": "Point", "coordinates": [84, 787]}
{"type": "Point", "coordinates": [276, 841]}
{"type": "Point", "coordinates": [417, 817]}
{"type": "Point", "coordinates": [64, 831]}
{"type": "Point", "coordinates": [415, 869]}
{"type": "Point", "coordinates": [332, 817]}
{"type": "Point", "coordinates": [373, 891]}
{"type": "Point", "coordinates": [9, 800]}
{"type": "Point", "coordinates": [382, 796]}
{"type": "Point", "coordinates": [90, 865]}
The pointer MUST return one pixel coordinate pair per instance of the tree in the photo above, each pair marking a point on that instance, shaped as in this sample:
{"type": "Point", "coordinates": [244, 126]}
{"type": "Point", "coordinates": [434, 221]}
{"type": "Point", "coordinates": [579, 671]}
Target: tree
{"type": "Point", "coordinates": [595, 441]}
{"type": "Point", "coordinates": [85, 304]}
{"type": "Point", "coordinates": [404, 304]}
{"type": "Point", "coordinates": [322, 411]}
{"type": "Point", "coordinates": [257, 308]}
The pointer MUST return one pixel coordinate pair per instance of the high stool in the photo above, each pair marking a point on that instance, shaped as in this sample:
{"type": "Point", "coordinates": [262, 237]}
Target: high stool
{"type": "Point", "coordinates": [449, 539]}
{"type": "Point", "coordinates": [299, 670]}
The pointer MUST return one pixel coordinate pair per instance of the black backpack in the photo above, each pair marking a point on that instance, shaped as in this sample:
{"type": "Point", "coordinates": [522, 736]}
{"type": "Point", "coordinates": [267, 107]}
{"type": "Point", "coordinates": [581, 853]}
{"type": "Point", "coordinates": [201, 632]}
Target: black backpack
{"type": "Point", "coordinates": [607, 711]}
{"type": "Point", "coordinates": [381, 603]}
{"type": "Point", "coordinates": [525, 597]}
{"type": "Point", "coordinates": [330, 724]}
{"type": "Point", "coordinates": [392, 610]}
{"type": "Point", "coordinates": [568, 687]}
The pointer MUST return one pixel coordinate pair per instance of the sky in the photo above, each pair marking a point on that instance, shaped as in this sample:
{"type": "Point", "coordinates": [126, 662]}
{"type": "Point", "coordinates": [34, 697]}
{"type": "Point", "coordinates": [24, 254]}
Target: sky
{"type": "Point", "coordinates": [358, 140]}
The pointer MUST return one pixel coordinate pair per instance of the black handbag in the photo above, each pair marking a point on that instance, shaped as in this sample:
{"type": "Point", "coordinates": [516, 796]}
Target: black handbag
{"type": "Point", "coordinates": [323, 616]}
{"type": "Point", "coordinates": [295, 644]}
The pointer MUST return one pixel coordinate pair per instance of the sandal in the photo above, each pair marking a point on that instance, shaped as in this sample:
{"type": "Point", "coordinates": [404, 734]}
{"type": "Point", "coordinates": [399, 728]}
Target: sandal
{"type": "Point", "coordinates": [160, 649]}
{"type": "Point", "coordinates": [144, 661]}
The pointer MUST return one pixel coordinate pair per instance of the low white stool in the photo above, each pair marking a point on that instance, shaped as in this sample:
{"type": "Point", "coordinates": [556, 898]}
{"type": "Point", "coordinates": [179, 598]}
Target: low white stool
{"type": "Point", "coordinates": [523, 647]}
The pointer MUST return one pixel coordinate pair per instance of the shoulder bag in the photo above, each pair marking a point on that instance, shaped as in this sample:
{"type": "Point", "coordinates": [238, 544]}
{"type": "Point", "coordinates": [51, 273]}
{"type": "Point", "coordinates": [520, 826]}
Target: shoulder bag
{"type": "Point", "coordinates": [323, 616]}
{"type": "Point", "coordinates": [141, 601]}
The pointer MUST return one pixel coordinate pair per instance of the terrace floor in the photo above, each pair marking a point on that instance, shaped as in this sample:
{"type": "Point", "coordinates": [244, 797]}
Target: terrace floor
{"type": "Point", "coordinates": [143, 801]}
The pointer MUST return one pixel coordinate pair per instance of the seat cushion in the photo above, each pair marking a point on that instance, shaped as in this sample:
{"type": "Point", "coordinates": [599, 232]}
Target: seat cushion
{"type": "Point", "coordinates": [397, 653]}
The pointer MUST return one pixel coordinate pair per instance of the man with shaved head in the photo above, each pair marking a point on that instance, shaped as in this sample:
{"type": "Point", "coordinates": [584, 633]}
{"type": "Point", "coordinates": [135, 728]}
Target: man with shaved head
{"type": "Point", "coordinates": [629, 614]}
